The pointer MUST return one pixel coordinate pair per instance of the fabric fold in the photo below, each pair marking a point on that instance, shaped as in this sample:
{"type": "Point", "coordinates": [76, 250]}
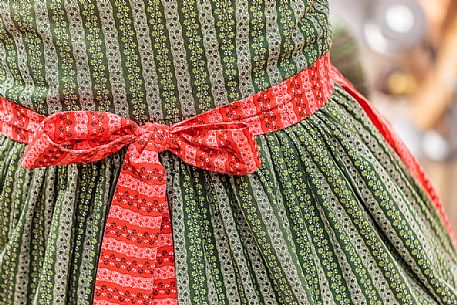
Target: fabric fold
{"type": "Point", "coordinates": [137, 259]}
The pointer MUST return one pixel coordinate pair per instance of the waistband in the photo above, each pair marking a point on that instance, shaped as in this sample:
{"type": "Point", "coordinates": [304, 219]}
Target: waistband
{"type": "Point", "coordinates": [136, 262]}
{"type": "Point", "coordinates": [274, 108]}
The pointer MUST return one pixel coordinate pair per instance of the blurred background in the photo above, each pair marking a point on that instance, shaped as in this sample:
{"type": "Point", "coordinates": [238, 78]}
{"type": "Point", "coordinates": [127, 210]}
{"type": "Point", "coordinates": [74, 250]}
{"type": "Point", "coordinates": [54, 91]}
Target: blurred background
{"type": "Point", "coordinates": [402, 54]}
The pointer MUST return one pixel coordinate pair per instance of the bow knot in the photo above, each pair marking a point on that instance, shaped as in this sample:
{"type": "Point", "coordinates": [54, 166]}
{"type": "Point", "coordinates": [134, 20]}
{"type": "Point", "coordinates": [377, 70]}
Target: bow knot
{"type": "Point", "coordinates": [72, 137]}
{"type": "Point", "coordinates": [156, 136]}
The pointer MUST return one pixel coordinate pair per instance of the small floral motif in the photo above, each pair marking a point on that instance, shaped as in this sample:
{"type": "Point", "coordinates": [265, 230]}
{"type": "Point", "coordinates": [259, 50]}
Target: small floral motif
{"type": "Point", "coordinates": [136, 263]}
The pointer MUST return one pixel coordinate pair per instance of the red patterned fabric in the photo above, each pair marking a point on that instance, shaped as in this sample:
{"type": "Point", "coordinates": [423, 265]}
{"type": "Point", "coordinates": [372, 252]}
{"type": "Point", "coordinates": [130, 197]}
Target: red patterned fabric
{"type": "Point", "coordinates": [136, 264]}
{"type": "Point", "coordinates": [18, 123]}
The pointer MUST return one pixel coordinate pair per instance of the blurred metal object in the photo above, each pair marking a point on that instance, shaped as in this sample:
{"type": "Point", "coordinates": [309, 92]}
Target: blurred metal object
{"type": "Point", "coordinates": [440, 143]}
{"type": "Point", "coordinates": [392, 26]}
{"type": "Point", "coordinates": [437, 90]}
{"type": "Point", "coordinates": [393, 38]}
{"type": "Point", "coordinates": [402, 83]}
{"type": "Point", "coordinates": [396, 81]}
{"type": "Point", "coordinates": [385, 26]}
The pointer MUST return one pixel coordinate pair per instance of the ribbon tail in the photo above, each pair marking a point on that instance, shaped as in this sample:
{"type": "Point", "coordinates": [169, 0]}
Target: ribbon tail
{"type": "Point", "coordinates": [136, 263]}
{"type": "Point", "coordinates": [18, 123]}
{"type": "Point", "coordinates": [384, 127]}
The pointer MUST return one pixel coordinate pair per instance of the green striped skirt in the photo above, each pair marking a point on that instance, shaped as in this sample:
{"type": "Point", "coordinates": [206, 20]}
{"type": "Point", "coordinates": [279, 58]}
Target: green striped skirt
{"type": "Point", "coordinates": [332, 217]}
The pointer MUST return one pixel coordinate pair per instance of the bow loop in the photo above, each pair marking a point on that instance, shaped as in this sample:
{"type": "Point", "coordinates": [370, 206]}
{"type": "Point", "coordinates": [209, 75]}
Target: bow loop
{"type": "Point", "coordinates": [78, 137]}
{"type": "Point", "coordinates": [227, 147]}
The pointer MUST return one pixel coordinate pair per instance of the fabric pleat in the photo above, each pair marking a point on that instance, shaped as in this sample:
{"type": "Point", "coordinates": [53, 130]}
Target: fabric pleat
{"type": "Point", "coordinates": [52, 222]}
{"type": "Point", "coordinates": [332, 216]}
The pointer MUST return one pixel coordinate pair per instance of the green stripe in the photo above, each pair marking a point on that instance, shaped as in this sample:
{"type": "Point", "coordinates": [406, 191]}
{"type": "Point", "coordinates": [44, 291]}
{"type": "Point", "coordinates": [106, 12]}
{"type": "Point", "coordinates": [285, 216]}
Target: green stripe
{"type": "Point", "coordinates": [196, 55]}
{"type": "Point", "coordinates": [68, 84]}
{"type": "Point", "coordinates": [136, 96]}
{"type": "Point", "coordinates": [96, 51]}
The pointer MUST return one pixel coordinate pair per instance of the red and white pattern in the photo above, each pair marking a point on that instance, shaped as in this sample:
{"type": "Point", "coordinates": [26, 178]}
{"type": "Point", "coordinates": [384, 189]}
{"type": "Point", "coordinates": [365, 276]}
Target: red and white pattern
{"type": "Point", "coordinates": [136, 264]}
{"type": "Point", "coordinates": [18, 123]}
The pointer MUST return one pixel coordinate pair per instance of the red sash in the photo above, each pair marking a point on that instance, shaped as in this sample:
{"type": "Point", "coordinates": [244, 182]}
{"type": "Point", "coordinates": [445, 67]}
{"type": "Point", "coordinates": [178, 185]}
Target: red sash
{"type": "Point", "coordinates": [136, 263]}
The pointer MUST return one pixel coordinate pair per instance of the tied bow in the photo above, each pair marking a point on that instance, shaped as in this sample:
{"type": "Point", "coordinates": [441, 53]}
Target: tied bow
{"type": "Point", "coordinates": [136, 263]}
{"type": "Point", "coordinates": [87, 136]}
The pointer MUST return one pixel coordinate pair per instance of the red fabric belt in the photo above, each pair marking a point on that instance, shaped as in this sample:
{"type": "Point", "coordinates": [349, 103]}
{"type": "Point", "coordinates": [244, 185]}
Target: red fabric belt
{"type": "Point", "coordinates": [136, 263]}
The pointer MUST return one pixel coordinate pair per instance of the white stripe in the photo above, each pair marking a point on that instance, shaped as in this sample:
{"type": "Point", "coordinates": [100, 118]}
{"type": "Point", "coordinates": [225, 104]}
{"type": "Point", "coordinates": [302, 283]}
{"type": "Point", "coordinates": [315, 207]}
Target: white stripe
{"type": "Point", "coordinates": [127, 181]}
{"type": "Point", "coordinates": [231, 234]}
{"type": "Point", "coordinates": [22, 57]}
{"type": "Point", "coordinates": [9, 81]}
{"type": "Point", "coordinates": [51, 72]}
{"type": "Point", "coordinates": [136, 219]}
{"type": "Point", "coordinates": [179, 58]}
{"type": "Point", "coordinates": [94, 225]}
{"type": "Point", "coordinates": [147, 60]}
{"type": "Point", "coordinates": [353, 234]}
{"type": "Point", "coordinates": [113, 55]}
{"type": "Point", "coordinates": [76, 29]}
{"type": "Point", "coordinates": [125, 280]}
{"type": "Point", "coordinates": [211, 46]}
{"type": "Point", "coordinates": [272, 221]}
{"type": "Point", "coordinates": [320, 9]}
{"type": "Point", "coordinates": [181, 255]}
{"type": "Point", "coordinates": [130, 250]}
{"type": "Point", "coordinates": [299, 9]}
{"type": "Point", "coordinates": [66, 206]}
{"type": "Point", "coordinates": [274, 41]}
{"type": "Point", "coordinates": [242, 48]}
{"type": "Point", "coordinates": [22, 276]}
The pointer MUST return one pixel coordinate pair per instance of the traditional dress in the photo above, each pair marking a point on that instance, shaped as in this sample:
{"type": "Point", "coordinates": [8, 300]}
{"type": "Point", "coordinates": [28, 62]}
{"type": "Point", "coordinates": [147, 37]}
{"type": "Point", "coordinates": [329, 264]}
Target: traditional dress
{"type": "Point", "coordinates": [202, 152]}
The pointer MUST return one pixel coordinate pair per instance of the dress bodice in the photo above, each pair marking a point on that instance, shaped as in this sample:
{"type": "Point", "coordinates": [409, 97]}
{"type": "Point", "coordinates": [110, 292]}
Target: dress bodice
{"type": "Point", "coordinates": [153, 60]}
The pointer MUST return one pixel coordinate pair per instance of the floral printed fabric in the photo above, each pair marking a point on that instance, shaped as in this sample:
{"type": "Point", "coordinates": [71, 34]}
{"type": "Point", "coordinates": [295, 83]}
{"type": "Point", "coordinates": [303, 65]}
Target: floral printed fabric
{"type": "Point", "coordinates": [136, 261]}
{"type": "Point", "coordinates": [154, 60]}
{"type": "Point", "coordinates": [332, 216]}
{"type": "Point", "coordinates": [383, 125]}
{"type": "Point", "coordinates": [139, 221]}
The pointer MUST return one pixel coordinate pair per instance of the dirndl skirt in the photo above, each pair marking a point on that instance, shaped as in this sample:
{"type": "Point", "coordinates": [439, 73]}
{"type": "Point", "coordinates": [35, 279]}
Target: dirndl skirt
{"type": "Point", "coordinates": [334, 215]}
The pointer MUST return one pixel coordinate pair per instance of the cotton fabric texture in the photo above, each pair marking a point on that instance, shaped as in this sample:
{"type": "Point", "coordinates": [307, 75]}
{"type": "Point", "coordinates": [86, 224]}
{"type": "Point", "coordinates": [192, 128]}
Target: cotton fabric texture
{"type": "Point", "coordinates": [333, 216]}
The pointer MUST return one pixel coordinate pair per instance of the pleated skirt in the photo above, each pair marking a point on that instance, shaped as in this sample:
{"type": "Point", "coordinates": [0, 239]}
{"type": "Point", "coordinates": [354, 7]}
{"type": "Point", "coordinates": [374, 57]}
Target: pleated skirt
{"type": "Point", "coordinates": [331, 217]}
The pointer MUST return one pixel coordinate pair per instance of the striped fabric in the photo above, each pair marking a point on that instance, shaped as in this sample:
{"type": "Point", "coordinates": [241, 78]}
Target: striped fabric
{"type": "Point", "coordinates": [136, 262]}
{"type": "Point", "coordinates": [151, 60]}
{"type": "Point", "coordinates": [332, 216]}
